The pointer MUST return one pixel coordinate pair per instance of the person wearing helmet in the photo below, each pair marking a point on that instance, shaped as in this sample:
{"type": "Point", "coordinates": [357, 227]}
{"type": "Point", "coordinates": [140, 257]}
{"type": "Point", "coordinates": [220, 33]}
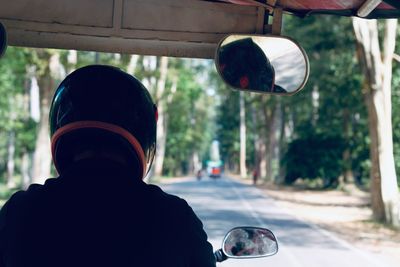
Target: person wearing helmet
{"type": "Point", "coordinates": [99, 212]}
{"type": "Point", "coordinates": [244, 65]}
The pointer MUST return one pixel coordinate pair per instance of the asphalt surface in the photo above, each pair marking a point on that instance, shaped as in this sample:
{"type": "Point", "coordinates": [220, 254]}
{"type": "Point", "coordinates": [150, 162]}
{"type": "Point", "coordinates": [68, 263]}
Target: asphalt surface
{"type": "Point", "coordinates": [225, 203]}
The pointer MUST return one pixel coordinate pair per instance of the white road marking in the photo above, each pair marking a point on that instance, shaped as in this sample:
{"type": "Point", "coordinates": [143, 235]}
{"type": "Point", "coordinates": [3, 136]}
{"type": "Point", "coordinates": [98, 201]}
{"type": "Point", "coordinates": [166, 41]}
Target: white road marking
{"type": "Point", "coordinates": [292, 259]}
{"type": "Point", "coordinates": [342, 242]}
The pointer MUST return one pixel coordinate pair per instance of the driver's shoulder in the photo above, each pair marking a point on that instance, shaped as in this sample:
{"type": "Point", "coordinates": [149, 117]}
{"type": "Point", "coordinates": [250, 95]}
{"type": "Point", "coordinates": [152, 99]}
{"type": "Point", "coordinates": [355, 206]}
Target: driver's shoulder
{"type": "Point", "coordinates": [32, 195]}
{"type": "Point", "coordinates": [157, 192]}
{"type": "Point", "coordinates": [168, 203]}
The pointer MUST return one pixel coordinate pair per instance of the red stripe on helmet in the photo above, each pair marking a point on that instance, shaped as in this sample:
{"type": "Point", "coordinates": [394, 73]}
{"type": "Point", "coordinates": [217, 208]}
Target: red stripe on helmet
{"type": "Point", "coordinates": [156, 112]}
{"type": "Point", "coordinates": [99, 125]}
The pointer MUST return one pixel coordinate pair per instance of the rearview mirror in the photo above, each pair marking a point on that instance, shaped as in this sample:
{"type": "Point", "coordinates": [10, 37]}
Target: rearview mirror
{"type": "Point", "coordinates": [249, 242]}
{"type": "Point", "coordinates": [264, 64]}
{"type": "Point", "coordinates": [3, 40]}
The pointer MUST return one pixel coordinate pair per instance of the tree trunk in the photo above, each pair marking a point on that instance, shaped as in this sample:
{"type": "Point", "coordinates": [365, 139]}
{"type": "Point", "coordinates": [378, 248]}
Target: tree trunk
{"type": "Point", "coordinates": [256, 167]}
{"type": "Point", "coordinates": [261, 144]}
{"type": "Point", "coordinates": [315, 104]}
{"type": "Point", "coordinates": [378, 74]}
{"type": "Point", "coordinates": [243, 170]}
{"type": "Point", "coordinates": [96, 58]}
{"type": "Point", "coordinates": [271, 142]}
{"type": "Point", "coordinates": [26, 170]}
{"type": "Point", "coordinates": [72, 60]}
{"type": "Point", "coordinates": [32, 109]}
{"type": "Point", "coordinates": [282, 142]}
{"type": "Point", "coordinates": [11, 160]}
{"type": "Point", "coordinates": [162, 122]}
{"type": "Point", "coordinates": [34, 95]}
{"type": "Point", "coordinates": [275, 141]}
{"type": "Point", "coordinates": [42, 155]}
{"type": "Point", "coordinates": [348, 177]}
{"type": "Point", "coordinates": [269, 109]}
{"type": "Point", "coordinates": [132, 64]}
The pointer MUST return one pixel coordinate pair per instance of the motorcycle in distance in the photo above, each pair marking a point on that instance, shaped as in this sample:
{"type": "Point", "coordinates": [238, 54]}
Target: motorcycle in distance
{"type": "Point", "coordinates": [199, 174]}
{"type": "Point", "coordinates": [247, 242]}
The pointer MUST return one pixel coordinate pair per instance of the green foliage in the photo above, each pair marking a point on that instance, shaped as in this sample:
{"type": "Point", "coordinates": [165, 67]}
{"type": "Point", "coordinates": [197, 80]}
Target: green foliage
{"type": "Point", "coordinates": [26, 136]}
{"type": "Point", "coordinates": [328, 117]}
{"type": "Point", "coordinates": [396, 115]}
{"type": "Point", "coordinates": [336, 80]}
{"type": "Point", "coordinates": [314, 156]}
{"type": "Point", "coordinates": [228, 123]}
{"type": "Point", "coordinates": [14, 105]}
{"type": "Point", "coordinates": [5, 192]}
{"type": "Point", "coordinates": [12, 79]}
{"type": "Point", "coordinates": [189, 116]}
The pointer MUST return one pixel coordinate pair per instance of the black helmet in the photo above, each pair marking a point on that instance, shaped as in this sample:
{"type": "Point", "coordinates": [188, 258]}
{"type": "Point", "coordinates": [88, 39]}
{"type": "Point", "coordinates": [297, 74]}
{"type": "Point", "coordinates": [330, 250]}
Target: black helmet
{"type": "Point", "coordinates": [244, 65]}
{"type": "Point", "coordinates": [97, 102]}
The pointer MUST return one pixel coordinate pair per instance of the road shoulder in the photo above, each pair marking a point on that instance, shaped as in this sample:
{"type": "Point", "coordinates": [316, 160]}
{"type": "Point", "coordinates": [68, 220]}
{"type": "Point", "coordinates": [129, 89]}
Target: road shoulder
{"type": "Point", "coordinates": [346, 216]}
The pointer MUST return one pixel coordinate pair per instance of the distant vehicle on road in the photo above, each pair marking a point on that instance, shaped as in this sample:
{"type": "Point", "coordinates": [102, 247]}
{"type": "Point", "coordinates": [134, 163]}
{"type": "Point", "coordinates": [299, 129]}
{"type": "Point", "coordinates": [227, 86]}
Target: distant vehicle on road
{"type": "Point", "coordinates": [215, 172]}
{"type": "Point", "coordinates": [214, 168]}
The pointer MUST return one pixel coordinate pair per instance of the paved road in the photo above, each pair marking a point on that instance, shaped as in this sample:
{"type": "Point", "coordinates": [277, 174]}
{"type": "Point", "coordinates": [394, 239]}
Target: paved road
{"type": "Point", "coordinates": [225, 203]}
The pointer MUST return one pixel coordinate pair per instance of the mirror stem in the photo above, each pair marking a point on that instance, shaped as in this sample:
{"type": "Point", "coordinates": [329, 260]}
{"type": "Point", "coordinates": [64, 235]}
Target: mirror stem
{"type": "Point", "coordinates": [220, 255]}
{"type": "Point", "coordinates": [277, 22]}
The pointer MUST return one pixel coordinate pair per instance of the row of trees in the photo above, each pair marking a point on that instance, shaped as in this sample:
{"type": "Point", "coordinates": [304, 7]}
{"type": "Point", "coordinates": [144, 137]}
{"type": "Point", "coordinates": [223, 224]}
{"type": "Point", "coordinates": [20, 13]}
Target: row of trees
{"type": "Point", "coordinates": [28, 78]}
{"type": "Point", "coordinates": [339, 128]}
{"type": "Point", "coordinates": [329, 131]}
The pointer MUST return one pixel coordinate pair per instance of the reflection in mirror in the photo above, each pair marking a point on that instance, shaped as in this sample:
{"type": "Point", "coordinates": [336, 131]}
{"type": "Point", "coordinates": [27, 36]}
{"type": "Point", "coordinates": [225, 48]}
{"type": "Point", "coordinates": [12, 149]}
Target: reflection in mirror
{"type": "Point", "coordinates": [290, 62]}
{"type": "Point", "coordinates": [3, 40]}
{"type": "Point", "coordinates": [265, 64]}
{"type": "Point", "coordinates": [249, 242]}
{"type": "Point", "coordinates": [243, 64]}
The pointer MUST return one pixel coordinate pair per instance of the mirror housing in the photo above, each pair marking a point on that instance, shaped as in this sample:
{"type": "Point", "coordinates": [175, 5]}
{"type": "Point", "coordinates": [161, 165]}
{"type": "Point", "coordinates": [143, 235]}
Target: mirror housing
{"type": "Point", "coordinates": [262, 63]}
{"type": "Point", "coordinates": [3, 40]}
{"type": "Point", "coordinates": [247, 242]}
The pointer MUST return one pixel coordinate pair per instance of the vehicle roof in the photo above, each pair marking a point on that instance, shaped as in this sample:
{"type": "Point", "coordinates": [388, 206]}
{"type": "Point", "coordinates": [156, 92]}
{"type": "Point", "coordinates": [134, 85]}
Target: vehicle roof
{"type": "Point", "coordinates": [386, 9]}
{"type": "Point", "coordinates": [183, 28]}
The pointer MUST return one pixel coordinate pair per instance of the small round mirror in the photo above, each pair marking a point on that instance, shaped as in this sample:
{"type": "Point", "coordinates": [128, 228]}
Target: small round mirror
{"type": "Point", "coordinates": [3, 40]}
{"type": "Point", "coordinates": [249, 242]}
{"type": "Point", "coordinates": [263, 64]}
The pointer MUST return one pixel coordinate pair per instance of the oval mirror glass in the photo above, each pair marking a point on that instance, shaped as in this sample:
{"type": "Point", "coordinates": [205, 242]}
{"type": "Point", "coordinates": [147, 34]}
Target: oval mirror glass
{"type": "Point", "coordinates": [263, 64]}
{"type": "Point", "coordinates": [249, 242]}
{"type": "Point", "coordinates": [3, 40]}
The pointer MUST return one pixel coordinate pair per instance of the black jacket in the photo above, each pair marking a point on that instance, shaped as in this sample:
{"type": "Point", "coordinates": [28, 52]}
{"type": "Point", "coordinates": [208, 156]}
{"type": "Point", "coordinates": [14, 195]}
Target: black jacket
{"type": "Point", "coordinates": [96, 214]}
